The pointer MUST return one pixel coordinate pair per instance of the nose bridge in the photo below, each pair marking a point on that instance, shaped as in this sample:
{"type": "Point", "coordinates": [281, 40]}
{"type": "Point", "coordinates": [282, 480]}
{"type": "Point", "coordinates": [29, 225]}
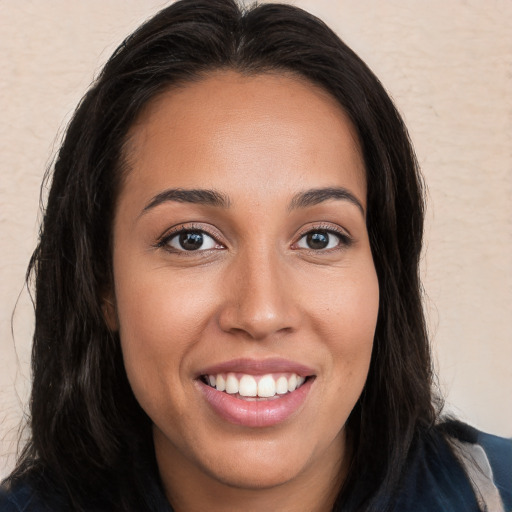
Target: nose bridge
{"type": "Point", "coordinates": [259, 302]}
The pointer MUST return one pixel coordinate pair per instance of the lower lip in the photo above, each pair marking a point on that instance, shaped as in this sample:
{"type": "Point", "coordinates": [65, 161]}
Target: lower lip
{"type": "Point", "coordinates": [260, 413]}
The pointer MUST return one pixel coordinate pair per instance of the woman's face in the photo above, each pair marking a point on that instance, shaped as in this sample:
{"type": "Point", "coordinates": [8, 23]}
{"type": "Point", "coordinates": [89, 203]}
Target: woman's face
{"type": "Point", "coordinates": [242, 262]}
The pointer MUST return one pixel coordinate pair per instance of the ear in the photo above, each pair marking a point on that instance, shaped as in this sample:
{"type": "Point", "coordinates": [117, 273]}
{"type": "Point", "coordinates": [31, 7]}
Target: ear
{"type": "Point", "coordinates": [109, 310]}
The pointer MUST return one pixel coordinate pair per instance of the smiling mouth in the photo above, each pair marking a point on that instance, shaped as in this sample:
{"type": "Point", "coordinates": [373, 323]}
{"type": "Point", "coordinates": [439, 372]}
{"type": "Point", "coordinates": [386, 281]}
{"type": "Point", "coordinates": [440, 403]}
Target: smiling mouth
{"type": "Point", "coordinates": [255, 387]}
{"type": "Point", "coordinates": [254, 393]}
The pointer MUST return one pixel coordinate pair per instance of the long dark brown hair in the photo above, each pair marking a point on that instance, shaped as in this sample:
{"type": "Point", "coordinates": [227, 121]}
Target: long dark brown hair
{"type": "Point", "coordinates": [90, 441]}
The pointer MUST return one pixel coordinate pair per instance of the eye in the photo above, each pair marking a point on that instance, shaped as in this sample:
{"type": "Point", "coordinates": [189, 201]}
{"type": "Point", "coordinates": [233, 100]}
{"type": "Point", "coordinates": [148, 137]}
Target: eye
{"type": "Point", "coordinates": [190, 240]}
{"type": "Point", "coordinates": [320, 239]}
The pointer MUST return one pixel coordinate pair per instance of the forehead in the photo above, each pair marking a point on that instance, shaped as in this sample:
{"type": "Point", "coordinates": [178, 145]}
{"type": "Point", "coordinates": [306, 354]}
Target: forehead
{"type": "Point", "coordinates": [256, 131]}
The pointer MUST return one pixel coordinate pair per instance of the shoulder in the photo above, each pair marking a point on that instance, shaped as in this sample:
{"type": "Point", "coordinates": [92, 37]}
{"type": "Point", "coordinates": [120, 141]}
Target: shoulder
{"type": "Point", "coordinates": [487, 461]}
{"type": "Point", "coordinates": [25, 494]}
{"type": "Point", "coordinates": [433, 480]}
{"type": "Point", "coordinates": [455, 467]}
{"type": "Point", "coordinates": [499, 454]}
{"type": "Point", "coordinates": [37, 492]}
{"type": "Point", "coordinates": [21, 498]}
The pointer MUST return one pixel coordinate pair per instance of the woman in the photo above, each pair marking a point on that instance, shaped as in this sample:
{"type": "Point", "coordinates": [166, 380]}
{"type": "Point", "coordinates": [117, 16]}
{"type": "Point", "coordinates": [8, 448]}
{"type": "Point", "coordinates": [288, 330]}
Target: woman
{"type": "Point", "coordinates": [228, 309]}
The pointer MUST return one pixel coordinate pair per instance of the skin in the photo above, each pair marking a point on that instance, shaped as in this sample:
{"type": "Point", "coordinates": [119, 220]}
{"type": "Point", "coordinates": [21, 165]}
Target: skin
{"type": "Point", "coordinates": [258, 292]}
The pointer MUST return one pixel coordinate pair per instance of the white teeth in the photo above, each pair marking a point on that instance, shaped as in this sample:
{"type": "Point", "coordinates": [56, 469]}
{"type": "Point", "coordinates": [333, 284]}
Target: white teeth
{"type": "Point", "coordinates": [265, 386]}
{"type": "Point", "coordinates": [292, 382]}
{"type": "Point", "coordinates": [248, 386]}
{"type": "Point", "coordinates": [231, 384]}
{"type": "Point", "coordinates": [282, 385]}
{"type": "Point", "coordinates": [220, 383]}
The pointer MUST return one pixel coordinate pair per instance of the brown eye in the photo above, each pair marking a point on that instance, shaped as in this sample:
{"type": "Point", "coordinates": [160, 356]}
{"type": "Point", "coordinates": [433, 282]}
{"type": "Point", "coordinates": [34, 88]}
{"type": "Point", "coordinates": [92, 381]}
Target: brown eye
{"type": "Point", "coordinates": [319, 239]}
{"type": "Point", "coordinates": [191, 241]}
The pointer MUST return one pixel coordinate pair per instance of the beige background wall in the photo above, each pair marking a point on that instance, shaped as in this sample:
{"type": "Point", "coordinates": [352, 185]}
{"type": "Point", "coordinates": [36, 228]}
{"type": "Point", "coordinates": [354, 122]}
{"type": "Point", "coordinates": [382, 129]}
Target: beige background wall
{"type": "Point", "coordinates": [448, 65]}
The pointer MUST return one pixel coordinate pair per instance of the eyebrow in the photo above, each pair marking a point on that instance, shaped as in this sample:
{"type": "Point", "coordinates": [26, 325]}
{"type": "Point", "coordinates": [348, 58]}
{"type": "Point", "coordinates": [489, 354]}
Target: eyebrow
{"type": "Point", "coordinates": [209, 197]}
{"type": "Point", "coordinates": [194, 196]}
{"type": "Point", "coordinates": [319, 195]}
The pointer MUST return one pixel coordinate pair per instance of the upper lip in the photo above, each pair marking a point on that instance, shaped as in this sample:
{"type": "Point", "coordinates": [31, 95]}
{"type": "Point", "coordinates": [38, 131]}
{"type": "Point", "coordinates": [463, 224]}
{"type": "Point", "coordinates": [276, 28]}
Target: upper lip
{"type": "Point", "coordinates": [258, 367]}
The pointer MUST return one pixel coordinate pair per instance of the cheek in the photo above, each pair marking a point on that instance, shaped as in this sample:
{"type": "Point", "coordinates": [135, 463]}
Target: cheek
{"type": "Point", "coordinates": [343, 313]}
{"type": "Point", "coordinates": [347, 318]}
{"type": "Point", "coordinates": [347, 306]}
{"type": "Point", "coordinates": [159, 309]}
{"type": "Point", "coordinates": [160, 321]}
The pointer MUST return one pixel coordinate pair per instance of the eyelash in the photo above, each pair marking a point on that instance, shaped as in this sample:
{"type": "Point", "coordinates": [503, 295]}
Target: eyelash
{"type": "Point", "coordinates": [345, 240]}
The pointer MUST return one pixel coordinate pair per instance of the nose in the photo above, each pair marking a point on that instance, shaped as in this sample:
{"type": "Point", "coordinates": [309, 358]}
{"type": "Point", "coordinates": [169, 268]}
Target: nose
{"type": "Point", "coordinates": [259, 300]}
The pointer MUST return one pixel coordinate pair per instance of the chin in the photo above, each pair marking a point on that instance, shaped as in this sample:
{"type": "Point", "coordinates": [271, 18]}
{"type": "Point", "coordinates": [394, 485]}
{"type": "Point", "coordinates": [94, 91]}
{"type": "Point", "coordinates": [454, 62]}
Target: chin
{"type": "Point", "coordinates": [262, 466]}
{"type": "Point", "coordinates": [257, 477]}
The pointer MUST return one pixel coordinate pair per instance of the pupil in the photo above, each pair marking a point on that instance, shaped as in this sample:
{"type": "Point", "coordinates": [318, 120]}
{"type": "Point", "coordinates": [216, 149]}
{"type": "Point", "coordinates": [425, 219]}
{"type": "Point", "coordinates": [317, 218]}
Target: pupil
{"type": "Point", "coordinates": [317, 240]}
{"type": "Point", "coordinates": [191, 240]}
